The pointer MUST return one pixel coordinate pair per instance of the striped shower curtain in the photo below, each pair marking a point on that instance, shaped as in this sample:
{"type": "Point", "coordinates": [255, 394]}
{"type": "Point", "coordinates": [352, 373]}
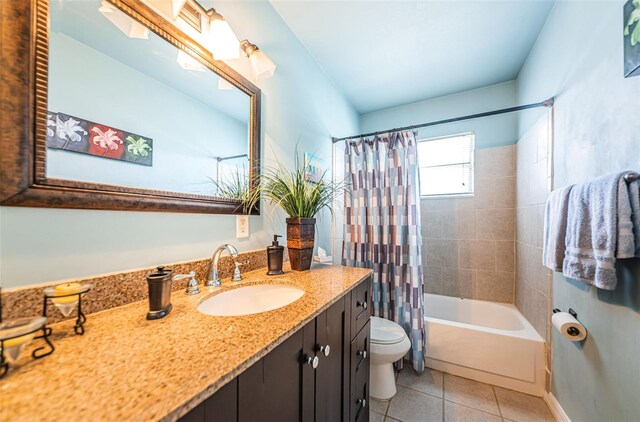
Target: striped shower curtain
{"type": "Point", "coordinates": [382, 229]}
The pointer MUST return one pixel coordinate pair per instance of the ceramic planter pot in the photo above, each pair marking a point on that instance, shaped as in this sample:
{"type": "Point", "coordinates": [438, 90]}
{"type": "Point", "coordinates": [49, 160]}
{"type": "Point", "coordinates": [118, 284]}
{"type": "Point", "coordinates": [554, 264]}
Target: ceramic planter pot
{"type": "Point", "coordinates": [300, 240]}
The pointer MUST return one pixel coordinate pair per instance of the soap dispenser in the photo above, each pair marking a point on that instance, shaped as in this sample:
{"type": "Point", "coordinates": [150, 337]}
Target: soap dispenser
{"type": "Point", "coordinates": [275, 256]}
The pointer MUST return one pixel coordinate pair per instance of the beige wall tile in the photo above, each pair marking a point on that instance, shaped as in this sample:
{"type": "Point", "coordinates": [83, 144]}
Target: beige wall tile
{"type": "Point", "coordinates": [526, 225]}
{"type": "Point", "coordinates": [432, 279]}
{"type": "Point", "coordinates": [539, 192]}
{"type": "Point", "coordinates": [521, 297]}
{"type": "Point", "coordinates": [431, 224]}
{"type": "Point", "coordinates": [435, 204]}
{"type": "Point", "coordinates": [540, 275]}
{"type": "Point", "coordinates": [522, 268]}
{"type": "Point", "coordinates": [539, 311]}
{"type": "Point", "coordinates": [533, 281]}
{"type": "Point", "coordinates": [442, 253]}
{"type": "Point", "coordinates": [465, 203]}
{"type": "Point", "coordinates": [495, 162]}
{"type": "Point", "coordinates": [505, 192]}
{"type": "Point", "coordinates": [477, 254]}
{"type": "Point", "coordinates": [542, 136]}
{"type": "Point", "coordinates": [459, 224]}
{"type": "Point", "coordinates": [453, 226]}
{"type": "Point", "coordinates": [484, 193]}
{"type": "Point", "coordinates": [505, 255]}
{"type": "Point", "coordinates": [458, 282]}
{"type": "Point", "coordinates": [497, 286]}
{"type": "Point", "coordinates": [539, 235]}
{"type": "Point", "coordinates": [497, 224]}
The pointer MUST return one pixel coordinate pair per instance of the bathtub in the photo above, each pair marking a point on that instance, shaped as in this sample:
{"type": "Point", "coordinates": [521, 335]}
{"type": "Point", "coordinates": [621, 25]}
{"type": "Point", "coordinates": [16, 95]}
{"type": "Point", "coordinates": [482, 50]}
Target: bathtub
{"type": "Point", "coordinates": [485, 341]}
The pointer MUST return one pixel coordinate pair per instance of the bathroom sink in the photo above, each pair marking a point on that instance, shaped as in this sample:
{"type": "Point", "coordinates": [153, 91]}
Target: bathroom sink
{"type": "Point", "coordinates": [250, 300]}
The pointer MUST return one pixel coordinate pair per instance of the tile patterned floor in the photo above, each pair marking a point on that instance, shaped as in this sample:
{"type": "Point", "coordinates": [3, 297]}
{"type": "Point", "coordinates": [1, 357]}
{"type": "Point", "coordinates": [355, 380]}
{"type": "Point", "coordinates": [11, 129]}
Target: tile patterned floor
{"type": "Point", "coordinates": [439, 397]}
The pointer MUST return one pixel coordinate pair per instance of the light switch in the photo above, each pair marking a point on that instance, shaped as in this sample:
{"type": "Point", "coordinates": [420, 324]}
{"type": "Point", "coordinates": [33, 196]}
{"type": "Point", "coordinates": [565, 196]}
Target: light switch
{"type": "Point", "coordinates": [242, 226]}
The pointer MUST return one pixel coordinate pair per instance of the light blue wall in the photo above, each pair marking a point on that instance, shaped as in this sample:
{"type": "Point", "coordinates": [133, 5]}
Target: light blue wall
{"type": "Point", "coordinates": [490, 131]}
{"type": "Point", "coordinates": [300, 106]}
{"type": "Point", "coordinates": [579, 59]}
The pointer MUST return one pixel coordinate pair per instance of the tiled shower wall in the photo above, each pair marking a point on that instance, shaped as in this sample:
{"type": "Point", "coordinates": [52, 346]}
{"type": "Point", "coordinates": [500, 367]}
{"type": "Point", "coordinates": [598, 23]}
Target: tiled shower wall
{"type": "Point", "coordinates": [533, 280]}
{"type": "Point", "coordinates": [469, 242]}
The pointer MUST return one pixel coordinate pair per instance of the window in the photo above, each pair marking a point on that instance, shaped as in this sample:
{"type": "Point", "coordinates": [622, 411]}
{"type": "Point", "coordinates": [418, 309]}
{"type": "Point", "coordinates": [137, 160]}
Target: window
{"type": "Point", "coordinates": [446, 165]}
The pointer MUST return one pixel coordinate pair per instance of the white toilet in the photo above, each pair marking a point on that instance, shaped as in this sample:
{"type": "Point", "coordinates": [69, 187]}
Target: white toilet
{"type": "Point", "coordinates": [389, 343]}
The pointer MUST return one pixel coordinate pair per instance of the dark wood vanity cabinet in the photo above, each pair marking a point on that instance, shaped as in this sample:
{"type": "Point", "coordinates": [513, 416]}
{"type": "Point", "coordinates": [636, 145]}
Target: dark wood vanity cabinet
{"type": "Point", "coordinates": [285, 386]}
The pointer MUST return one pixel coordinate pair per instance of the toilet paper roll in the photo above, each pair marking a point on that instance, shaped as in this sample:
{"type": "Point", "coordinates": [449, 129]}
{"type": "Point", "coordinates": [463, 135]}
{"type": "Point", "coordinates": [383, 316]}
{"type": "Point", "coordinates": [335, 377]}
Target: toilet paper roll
{"type": "Point", "coordinates": [568, 326]}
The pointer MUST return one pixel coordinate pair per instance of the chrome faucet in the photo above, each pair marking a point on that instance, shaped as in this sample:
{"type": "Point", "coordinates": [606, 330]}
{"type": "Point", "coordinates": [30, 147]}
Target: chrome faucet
{"type": "Point", "coordinates": [237, 274]}
{"type": "Point", "coordinates": [214, 277]}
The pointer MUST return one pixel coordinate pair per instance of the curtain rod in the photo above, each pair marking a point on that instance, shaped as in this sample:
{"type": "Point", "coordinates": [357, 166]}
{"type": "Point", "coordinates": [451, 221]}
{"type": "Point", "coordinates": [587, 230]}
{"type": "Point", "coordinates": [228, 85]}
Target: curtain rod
{"type": "Point", "coordinates": [218, 159]}
{"type": "Point", "coordinates": [545, 103]}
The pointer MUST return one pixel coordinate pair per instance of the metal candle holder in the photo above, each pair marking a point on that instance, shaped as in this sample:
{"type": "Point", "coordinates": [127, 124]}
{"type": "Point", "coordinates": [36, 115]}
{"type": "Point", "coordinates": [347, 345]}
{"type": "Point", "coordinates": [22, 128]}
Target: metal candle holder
{"type": "Point", "coordinates": [80, 317]}
{"type": "Point", "coordinates": [36, 354]}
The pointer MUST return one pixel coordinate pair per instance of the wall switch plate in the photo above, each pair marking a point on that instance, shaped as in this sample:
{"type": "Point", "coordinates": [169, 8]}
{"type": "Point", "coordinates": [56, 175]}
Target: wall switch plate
{"type": "Point", "coordinates": [242, 226]}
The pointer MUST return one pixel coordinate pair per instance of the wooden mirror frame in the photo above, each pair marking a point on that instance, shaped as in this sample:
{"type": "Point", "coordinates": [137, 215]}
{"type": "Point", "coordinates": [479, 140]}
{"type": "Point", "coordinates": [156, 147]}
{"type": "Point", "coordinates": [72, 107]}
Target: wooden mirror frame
{"type": "Point", "coordinates": [24, 89]}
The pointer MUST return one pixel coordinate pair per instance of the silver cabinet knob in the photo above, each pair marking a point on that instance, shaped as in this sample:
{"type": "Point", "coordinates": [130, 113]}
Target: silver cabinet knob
{"type": "Point", "coordinates": [312, 360]}
{"type": "Point", "coordinates": [362, 353]}
{"type": "Point", "coordinates": [362, 402]}
{"type": "Point", "coordinates": [362, 304]}
{"type": "Point", "coordinates": [325, 350]}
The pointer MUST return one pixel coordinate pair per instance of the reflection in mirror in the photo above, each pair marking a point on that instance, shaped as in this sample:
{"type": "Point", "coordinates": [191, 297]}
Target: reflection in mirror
{"type": "Point", "coordinates": [128, 108]}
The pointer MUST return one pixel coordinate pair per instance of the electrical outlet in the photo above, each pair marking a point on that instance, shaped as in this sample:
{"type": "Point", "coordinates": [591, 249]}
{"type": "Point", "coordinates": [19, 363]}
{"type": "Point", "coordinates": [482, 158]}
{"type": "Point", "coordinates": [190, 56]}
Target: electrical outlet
{"type": "Point", "coordinates": [242, 226]}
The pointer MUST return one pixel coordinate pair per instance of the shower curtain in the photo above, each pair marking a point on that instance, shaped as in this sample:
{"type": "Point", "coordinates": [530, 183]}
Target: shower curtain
{"type": "Point", "coordinates": [382, 229]}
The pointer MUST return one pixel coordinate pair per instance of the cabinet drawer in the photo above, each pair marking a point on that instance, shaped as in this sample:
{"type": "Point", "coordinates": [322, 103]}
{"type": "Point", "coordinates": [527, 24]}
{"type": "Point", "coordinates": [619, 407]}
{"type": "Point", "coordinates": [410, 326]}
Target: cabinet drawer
{"type": "Point", "coordinates": [361, 306]}
{"type": "Point", "coordinates": [359, 376]}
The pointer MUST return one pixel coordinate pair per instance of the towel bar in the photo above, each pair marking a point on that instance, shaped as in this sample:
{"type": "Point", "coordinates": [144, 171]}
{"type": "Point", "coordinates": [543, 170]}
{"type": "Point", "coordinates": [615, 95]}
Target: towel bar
{"type": "Point", "coordinates": [632, 176]}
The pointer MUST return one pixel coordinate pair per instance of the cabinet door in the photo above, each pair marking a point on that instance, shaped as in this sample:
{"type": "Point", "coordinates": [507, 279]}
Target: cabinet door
{"type": "Point", "coordinates": [331, 385]}
{"type": "Point", "coordinates": [361, 306]}
{"type": "Point", "coordinates": [359, 394]}
{"type": "Point", "coordinates": [272, 388]}
{"type": "Point", "coordinates": [222, 406]}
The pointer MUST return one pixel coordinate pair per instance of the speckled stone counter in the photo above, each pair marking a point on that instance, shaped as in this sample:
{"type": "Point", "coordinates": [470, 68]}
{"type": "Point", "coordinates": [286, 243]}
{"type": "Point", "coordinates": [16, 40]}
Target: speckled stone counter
{"type": "Point", "coordinates": [126, 368]}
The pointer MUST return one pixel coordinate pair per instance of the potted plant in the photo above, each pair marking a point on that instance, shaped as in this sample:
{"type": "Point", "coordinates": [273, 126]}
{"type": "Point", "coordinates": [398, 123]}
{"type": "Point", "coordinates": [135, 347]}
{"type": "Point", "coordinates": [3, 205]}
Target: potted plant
{"type": "Point", "coordinates": [301, 199]}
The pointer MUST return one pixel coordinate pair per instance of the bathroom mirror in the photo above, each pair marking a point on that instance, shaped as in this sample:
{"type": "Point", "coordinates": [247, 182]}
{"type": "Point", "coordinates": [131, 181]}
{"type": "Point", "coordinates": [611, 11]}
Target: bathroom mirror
{"type": "Point", "coordinates": [129, 112]}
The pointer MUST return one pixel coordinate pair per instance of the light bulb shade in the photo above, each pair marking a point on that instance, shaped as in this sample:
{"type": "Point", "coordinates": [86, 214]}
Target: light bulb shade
{"type": "Point", "coordinates": [223, 42]}
{"type": "Point", "coordinates": [123, 22]}
{"type": "Point", "coordinates": [189, 63]}
{"type": "Point", "coordinates": [262, 65]}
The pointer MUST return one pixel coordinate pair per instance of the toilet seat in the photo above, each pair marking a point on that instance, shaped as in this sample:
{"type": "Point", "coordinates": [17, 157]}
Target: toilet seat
{"type": "Point", "coordinates": [384, 331]}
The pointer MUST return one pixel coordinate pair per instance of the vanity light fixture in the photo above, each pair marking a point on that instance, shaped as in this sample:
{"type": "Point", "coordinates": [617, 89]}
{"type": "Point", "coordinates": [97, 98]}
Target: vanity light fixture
{"type": "Point", "coordinates": [189, 63]}
{"type": "Point", "coordinates": [261, 63]}
{"type": "Point", "coordinates": [123, 22]}
{"type": "Point", "coordinates": [241, 65]}
{"type": "Point", "coordinates": [223, 42]}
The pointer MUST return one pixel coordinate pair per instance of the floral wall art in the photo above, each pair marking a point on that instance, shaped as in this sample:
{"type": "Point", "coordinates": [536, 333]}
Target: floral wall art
{"type": "Point", "coordinates": [631, 38]}
{"type": "Point", "coordinates": [72, 133]}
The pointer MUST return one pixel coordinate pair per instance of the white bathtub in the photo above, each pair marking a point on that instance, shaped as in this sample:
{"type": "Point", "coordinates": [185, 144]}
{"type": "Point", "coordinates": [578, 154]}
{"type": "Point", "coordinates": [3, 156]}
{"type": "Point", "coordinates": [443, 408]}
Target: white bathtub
{"type": "Point", "coordinates": [486, 341]}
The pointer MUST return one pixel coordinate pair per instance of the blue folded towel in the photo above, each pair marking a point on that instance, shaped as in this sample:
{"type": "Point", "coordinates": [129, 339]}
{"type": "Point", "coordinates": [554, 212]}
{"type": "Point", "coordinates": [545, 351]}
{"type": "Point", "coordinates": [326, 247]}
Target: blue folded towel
{"type": "Point", "coordinates": [599, 230]}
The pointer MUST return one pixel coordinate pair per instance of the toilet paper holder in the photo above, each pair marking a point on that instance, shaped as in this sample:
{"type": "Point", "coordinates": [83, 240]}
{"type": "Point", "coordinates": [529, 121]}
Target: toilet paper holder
{"type": "Point", "coordinates": [572, 331]}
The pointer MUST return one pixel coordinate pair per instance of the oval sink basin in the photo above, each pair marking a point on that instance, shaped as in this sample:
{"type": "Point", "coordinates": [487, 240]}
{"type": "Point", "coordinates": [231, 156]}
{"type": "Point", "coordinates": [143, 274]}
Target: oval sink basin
{"type": "Point", "coordinates": [250, 300]}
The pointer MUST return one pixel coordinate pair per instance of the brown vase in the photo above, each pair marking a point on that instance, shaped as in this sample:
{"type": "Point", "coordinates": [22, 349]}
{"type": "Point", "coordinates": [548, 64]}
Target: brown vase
{"type": "Point", "coordinates": [300, 238]}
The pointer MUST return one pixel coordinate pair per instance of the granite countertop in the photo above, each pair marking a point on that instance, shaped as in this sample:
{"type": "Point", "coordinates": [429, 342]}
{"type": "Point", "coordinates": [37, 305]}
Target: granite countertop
{"type": "Point", "coordinates": [128, 368]}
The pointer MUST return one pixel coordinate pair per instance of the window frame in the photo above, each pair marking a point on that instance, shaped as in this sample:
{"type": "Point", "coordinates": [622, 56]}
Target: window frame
{"type": "Point", "coordinates": [472, 164]}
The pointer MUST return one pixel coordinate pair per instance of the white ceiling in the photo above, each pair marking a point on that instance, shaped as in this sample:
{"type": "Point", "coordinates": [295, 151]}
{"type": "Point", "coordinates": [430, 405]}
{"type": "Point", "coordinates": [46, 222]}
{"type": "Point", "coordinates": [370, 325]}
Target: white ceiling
{"type": "Point", "coordinates": [386, 53]}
